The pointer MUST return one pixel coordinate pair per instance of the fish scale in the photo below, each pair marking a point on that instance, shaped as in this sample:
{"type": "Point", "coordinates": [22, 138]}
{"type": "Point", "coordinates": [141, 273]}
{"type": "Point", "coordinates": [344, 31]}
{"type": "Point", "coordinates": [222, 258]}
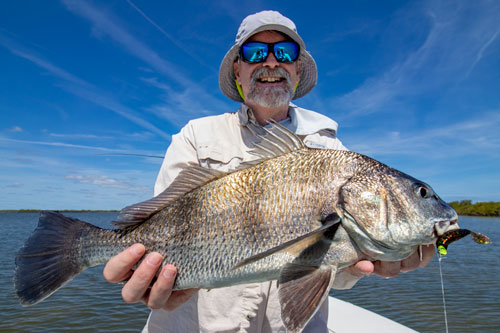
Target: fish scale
{"type": "Point", "coordinates": [190, 218]}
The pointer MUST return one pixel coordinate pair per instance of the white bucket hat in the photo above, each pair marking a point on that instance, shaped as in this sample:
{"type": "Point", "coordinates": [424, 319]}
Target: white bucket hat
{"type": "Point", "coordinates": [262, 21]}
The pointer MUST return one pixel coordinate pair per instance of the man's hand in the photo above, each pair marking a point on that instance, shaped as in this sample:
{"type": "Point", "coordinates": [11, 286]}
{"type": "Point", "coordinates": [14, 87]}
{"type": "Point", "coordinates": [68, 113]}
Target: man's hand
{"type": "Point", "coordinates": [348, 277]}
{"type": "Point", "coordinates": [393, 268]}
{"type": "Point", "coordinates": [137, 288]}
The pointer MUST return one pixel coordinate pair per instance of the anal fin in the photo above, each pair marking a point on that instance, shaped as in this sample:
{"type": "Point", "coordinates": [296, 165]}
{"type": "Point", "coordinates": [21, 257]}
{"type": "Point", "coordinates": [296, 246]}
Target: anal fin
{"type": "Point", "coordinates": [302, 290]}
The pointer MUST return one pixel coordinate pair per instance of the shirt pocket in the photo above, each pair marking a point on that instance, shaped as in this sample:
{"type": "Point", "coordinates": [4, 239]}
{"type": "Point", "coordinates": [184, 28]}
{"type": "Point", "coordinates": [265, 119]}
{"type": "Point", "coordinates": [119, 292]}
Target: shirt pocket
{"type": "Point", "coordinates": [223, 157]}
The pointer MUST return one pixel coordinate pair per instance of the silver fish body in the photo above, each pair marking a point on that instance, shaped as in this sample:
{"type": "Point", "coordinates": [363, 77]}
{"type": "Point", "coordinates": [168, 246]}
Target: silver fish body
{"type": "Point", "coordinates": [296, 215]}
{"type": "Point", "coordinates": [210, 230]}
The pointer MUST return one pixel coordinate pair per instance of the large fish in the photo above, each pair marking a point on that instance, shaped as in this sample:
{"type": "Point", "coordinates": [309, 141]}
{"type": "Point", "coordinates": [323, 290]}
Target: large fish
{"type": "Point", "coordinates": [296, 215]}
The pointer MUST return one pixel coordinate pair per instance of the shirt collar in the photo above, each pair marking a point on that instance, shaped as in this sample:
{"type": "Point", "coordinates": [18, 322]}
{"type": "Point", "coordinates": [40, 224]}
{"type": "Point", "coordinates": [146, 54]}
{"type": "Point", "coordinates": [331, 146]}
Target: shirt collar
{"type": "Point", "coordinates": [246, 115]}
{"type": "Point", "coordinates": [300, 121]}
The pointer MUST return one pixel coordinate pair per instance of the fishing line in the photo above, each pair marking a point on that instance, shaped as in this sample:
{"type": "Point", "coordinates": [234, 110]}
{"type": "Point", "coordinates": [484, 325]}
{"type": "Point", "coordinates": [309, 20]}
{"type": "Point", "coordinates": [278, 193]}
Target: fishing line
{"type": "Point", "coordinates": [130, 154]}
{"type": "Point", "coordinates": [442, 292]}
{"type": "Point", "coordinates": [442, 243]}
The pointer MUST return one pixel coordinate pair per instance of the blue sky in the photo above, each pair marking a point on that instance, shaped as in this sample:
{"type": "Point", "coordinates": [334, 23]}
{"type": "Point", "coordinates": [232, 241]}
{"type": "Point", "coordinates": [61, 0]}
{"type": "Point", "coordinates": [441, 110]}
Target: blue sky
{"type": "Point", "coordinates": [414, 84]}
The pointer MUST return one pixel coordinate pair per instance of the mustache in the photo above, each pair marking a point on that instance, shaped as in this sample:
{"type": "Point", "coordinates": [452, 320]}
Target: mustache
{"type": "Point", "coordinates": [264, 71]}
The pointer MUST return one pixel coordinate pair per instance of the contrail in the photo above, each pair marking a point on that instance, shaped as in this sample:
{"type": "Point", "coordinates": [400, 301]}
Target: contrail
{"type": "Point", "coordinates": [172, 39]}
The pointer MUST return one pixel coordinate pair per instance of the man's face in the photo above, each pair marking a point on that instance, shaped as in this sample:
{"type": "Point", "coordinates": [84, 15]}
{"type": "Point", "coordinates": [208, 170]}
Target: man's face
{"type": "Point", "coordinates": [269, 83]}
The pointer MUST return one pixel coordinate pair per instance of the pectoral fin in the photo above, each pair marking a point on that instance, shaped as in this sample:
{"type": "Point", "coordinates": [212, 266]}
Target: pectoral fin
{"type": "Point", "coordinates": [299, 244]}
{"type": "Point", "coordinates": [302, 290]}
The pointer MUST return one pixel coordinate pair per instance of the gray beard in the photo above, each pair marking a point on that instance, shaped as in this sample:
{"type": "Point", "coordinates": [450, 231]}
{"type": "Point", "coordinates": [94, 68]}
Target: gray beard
{"type": "Point", "coordinates": [270, 97]}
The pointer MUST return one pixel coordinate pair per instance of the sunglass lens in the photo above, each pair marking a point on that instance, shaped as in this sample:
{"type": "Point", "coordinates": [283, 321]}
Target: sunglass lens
{"type": "Point", "coordinates": [286, 51]}
{"type": "Point", "coordinates": [254, 52]}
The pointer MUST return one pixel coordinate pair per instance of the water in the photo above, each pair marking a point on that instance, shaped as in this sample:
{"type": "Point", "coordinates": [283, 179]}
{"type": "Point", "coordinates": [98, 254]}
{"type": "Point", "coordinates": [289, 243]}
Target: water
{"type": "Point", "coordinates": [86, 304]}
{"type": "Point", "coordinates": [471, 275]}
{"type": "Point", "coordinates": [440, 259]}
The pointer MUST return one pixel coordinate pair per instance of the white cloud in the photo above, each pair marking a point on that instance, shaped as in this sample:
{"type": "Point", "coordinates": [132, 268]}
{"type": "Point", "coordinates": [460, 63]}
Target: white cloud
{"type": "Point", "coordinates": [104, 150]}
{"type": "Point", "coordinates": [60, 144]}
{"type": "Point", "coordinates": [177, 105]}
{"type": "Point", "coordinates": [110, 104]}
{"type": "Point", "coordinates": [79, 136]}
{"type": "Point", "coordinates": [481, 51]}
{"type": "Point", "coordinates": [467, 138]}
{"type": "Point", "coordinates": [459, 35]}
{"type": "Point", "coordinates": [108, 182]}
{"type": "Point", "coordinates": [16, 129]}
{"type": "Point", "coordinates": [15, 185]}
{"type": "Point", "coordinates": [22, 52]}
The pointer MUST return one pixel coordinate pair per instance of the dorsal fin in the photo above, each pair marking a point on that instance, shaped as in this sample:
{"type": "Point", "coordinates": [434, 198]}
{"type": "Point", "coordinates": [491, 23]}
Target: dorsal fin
{"type": "Point", "coordinates": [188, 179]}
{"type": "Point", "coordinates": [275, 141]}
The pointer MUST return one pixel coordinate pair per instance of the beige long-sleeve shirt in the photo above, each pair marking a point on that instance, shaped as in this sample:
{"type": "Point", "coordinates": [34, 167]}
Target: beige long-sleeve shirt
{"type": "Point", "coordinates": [220, 142]}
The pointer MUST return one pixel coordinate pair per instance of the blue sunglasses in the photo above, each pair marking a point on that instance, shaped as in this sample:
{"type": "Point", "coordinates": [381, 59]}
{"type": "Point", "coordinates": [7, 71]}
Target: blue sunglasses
{"type": "Point", "coordinates": [256, 52]}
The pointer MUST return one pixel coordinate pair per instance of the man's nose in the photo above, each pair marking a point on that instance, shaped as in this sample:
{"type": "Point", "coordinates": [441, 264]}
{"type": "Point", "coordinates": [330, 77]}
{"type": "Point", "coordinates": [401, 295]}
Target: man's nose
{"type": "Point", "coordinates": [271, 61]}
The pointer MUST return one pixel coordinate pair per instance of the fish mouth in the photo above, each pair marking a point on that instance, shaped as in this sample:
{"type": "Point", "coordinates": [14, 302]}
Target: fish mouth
{"type": "Point", "coordinates": [442, 226]}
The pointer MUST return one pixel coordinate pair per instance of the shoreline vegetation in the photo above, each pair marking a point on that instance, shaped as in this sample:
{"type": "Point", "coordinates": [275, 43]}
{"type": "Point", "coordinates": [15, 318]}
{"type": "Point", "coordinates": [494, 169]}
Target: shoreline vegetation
{"type": "Point", "coordinates": [467, 208]}
{"type": "Point", "coordinates": [463, 207]}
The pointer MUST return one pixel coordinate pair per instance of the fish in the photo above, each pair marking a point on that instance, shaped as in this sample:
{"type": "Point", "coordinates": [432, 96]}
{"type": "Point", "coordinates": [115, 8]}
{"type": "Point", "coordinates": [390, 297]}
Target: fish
{"type": "Point", "coordinates": [295, 214]}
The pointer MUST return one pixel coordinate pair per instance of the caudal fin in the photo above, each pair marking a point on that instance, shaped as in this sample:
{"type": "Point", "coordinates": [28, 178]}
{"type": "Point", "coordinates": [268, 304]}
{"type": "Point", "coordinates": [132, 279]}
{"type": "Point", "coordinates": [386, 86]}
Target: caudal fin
{"type": "Point", "coordinates": [49, 258]}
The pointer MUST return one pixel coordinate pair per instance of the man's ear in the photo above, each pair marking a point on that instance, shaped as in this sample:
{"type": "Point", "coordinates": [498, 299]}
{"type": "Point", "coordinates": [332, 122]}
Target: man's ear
{"type": "Point", "coordinates": [236, 69]}
{"type": "Point", "coordinates": [299, 67]}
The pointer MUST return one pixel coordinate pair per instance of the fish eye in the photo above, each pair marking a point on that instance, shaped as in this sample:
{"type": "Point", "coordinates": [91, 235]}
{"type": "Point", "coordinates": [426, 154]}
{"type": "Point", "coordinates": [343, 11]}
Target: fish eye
{"type": "Point", "coordinates": [422, 191]}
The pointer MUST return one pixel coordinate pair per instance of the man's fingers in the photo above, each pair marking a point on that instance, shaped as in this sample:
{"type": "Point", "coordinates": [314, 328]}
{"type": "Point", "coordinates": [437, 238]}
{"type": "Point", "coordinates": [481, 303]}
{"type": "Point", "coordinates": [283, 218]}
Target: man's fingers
{"type": "Point", "coordinates": [363, 267]}
{"type": "Point", "coordinates": [360, 269]}
{"type": "Point", "coordinates": [178, 298]}
{"type": "Point", "coordinates": [411, 263]}
{"type": "Point", "coordinates": [387, 268]}
{"type": "Point", "coordinates": [346, 278]}
{"type": "Point", "coordinates": [420, 258]}
{"type": "Point", "coordinates": [427, 254]}
{"type": "Point", "coordinates": [138, 285]}
{"type": "Point", "coordinates": [162, 288]}
{"type": "Point", "coordinates": [119, 267]}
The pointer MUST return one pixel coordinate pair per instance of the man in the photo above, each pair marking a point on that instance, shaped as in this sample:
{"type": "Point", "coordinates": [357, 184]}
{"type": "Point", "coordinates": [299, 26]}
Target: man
{"type": "Point", "coordinates": [266, 68]}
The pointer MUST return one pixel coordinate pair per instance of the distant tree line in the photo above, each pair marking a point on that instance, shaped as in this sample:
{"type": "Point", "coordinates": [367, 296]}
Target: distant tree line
{"type": "Point", "coordinates": [466, 207]}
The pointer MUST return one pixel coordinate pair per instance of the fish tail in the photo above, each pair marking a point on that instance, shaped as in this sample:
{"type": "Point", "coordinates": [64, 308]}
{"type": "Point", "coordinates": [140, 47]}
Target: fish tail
{"type": "Point", "coordinates": [51, 257]}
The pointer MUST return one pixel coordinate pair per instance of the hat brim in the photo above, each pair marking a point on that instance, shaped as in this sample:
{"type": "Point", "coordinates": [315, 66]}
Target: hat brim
{"type": "Point", "coordinates": [308, 72]}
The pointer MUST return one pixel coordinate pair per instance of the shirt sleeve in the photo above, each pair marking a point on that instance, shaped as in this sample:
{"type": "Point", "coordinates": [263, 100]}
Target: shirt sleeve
{"type": "Point", "coordinates": [179, 155]}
